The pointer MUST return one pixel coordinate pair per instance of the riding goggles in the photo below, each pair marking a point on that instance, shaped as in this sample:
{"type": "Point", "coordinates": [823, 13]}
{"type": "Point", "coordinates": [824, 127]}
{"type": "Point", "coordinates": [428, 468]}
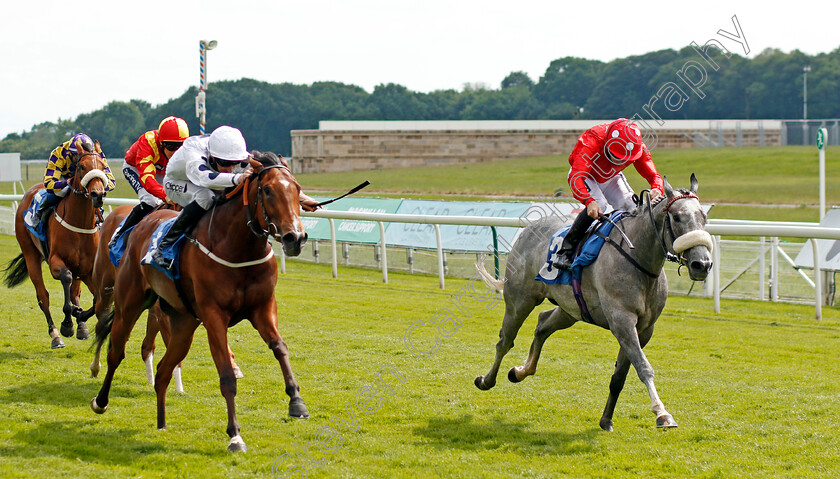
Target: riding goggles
{"type": "Point", "coordinates": [228, 163]}
{"type": "Point", "coordinates": [172, 145]}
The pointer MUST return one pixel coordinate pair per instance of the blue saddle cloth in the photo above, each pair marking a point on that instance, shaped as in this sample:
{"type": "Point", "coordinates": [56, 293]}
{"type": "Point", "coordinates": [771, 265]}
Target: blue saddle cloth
{"type": "Point", "coordinates": [116, 252]}
{"type": "Point", "coordinates": [550, 274]}
{"type": "Point", "coordinates": [173, 252]}
{"type": "Point", "coordinates": [41, 231]}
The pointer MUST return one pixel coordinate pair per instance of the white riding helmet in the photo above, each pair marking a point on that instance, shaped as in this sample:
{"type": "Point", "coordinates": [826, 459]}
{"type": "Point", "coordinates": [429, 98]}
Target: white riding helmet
{"type": "Point", "coordinates": [227, 143]}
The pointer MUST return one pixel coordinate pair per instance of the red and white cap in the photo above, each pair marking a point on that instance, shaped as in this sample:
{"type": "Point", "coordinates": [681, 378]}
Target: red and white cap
{"type": "Point", "coordinates": [624, 140]}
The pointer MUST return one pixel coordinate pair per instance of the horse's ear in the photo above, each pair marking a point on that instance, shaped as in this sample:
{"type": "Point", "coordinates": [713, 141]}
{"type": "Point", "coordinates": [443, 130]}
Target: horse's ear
{"type": "Point", "coordinates": [694, 184]}
{"type": "Point", "coordinates": [79, 147]}
{"type": "Point", "coordinates": [669, 191]}
{"type": "Point", "coordinates": [97, 147]}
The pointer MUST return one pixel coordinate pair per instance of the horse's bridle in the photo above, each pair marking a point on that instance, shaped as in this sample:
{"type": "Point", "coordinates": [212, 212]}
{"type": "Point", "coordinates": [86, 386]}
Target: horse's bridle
{"type": "Point", "coordinates": [674, 257]}
{"type": "Point", "coordinates": [252, 223]}
{"type": "Point", "coordinates": [83, 191]}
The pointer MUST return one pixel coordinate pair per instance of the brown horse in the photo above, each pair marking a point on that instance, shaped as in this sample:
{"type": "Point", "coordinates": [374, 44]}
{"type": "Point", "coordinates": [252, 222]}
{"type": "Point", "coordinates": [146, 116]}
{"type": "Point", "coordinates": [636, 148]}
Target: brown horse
{"type": "Point", "coordinates": [228, 273]}
{"type": "Point", "coordinates": [104, 274]}
{"type": "Point", "coordinates": [72, 239]}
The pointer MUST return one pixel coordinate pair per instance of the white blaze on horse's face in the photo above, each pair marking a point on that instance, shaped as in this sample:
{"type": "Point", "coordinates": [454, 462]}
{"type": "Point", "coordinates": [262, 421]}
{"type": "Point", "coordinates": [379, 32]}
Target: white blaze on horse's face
{"type": "Point", "coordinates": [691, 240]}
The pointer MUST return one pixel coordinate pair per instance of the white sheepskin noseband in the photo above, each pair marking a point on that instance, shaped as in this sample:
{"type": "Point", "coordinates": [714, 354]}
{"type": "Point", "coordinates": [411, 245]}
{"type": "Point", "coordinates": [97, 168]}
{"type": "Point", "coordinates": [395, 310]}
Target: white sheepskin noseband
{"type": "Point", "coordinates": [94, 174]}
{"type": "Point", "coordinates": [692, 239]}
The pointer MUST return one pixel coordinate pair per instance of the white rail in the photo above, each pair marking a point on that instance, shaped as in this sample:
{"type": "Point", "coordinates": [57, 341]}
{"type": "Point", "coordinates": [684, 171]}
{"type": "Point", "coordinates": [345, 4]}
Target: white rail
{"type": "Point", "coordinates": [810, 231]}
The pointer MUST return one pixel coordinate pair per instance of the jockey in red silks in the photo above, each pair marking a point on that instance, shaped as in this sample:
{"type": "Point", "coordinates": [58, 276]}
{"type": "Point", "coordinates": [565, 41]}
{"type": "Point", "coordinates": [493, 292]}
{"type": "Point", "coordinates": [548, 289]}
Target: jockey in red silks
{"type": "Point", "coordinates": [596, 180]}
{"type": "Point", "coordinates": [145, 165]}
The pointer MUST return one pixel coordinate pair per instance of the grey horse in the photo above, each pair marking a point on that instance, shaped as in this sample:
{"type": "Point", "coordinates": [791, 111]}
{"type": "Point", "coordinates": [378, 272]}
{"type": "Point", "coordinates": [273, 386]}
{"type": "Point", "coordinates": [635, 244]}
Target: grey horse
{"type": "Point", "coordinates": [625, 298]}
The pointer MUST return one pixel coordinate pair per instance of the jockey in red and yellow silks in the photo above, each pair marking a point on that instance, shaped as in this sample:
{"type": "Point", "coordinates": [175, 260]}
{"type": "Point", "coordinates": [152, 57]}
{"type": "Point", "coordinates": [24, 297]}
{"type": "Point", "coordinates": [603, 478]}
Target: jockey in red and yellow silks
{"type": "Point", "coordinates": [61, 167]}
{"type": "Point", "coordinates": [596, 178]}
{"type": "Point", "coordinates": [145, 165]}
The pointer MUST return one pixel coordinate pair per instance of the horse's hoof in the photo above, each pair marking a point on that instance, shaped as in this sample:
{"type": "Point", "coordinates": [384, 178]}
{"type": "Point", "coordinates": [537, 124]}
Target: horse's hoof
{"type": "Point", "coordinates": [237, 444]}
{"type": "Point", "coordinates": [57, 343]}
{"type": "Point", "coordinates": [237, 373]}
{"type": "Point", "coordinates": [67, 329]}
{"type": "Point", "coordinates": [96, 408]}
{"type": "Point", "coordinates": [665, 420]}
{"type": "Point", "coordinates": [297, 409]}
{"type": "Point", "coordinates": [82, 331]}
{"type": "Point", "coordinates": [481, 384]}
{"type": "Point", "coordinates": [512, 376]}
{"type": "Point", "coordinates": [606, 425]}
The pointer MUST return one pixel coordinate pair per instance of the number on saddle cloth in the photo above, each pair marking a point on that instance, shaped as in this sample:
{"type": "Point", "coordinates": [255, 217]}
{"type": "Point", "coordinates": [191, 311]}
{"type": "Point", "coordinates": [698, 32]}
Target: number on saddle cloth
{"type": "Point", "coordinates": [587, 251]}
{"type": "Point", "coordinates": [40, 231]}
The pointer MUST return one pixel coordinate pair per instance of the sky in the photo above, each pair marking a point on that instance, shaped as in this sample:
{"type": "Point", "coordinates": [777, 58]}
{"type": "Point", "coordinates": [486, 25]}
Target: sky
{"type": "Point", "coordinates": [59, 59]}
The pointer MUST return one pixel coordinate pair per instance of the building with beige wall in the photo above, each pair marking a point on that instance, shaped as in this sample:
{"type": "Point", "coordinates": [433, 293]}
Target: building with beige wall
{"type": "Point", "coordinates": [364, 145]}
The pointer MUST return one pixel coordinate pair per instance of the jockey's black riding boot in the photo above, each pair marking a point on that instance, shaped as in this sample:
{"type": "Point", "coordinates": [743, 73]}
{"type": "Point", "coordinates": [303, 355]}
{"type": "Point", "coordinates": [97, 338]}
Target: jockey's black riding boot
{"type": "Point", "coordinates": [40, 215]}
{"type": "Point", "coordinates": [570, 241]}
{"type": "Point", "coordinates": [137, 213]}
{"type": "Point", "coordinates": [186, 219]}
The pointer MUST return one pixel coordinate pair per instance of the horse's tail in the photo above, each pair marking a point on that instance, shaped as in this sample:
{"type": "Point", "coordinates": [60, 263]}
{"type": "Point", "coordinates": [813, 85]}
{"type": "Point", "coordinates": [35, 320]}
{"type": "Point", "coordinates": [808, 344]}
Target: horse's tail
{"type": "Point", "coordinates": [103, 330]}
{"type": "Point", "coordinates": [15, 271]}
{"type": "Point", "coordinates": [489, 280]}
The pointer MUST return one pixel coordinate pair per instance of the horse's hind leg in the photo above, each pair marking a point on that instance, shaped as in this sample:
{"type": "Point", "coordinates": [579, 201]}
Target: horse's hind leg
{"type": "Point", "coordinates": [549, 322]}
{"type": "Point", "coordinates": [632, 343]}
{"type": "Point", "coordinates": [80, 314]}
{"type": "Point", "coordinates": [515, 313]}
{"type": "Point", "coordinates": [622, 366]}
{"type": "Point", "coordinates": [33, 265]}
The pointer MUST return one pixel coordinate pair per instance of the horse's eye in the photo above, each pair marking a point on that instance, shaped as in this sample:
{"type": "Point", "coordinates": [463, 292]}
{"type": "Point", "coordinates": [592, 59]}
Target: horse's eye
{"type": "Point", "coordinates": [266, 190]}
{"type": "Point", "coordinates": [677, 218]}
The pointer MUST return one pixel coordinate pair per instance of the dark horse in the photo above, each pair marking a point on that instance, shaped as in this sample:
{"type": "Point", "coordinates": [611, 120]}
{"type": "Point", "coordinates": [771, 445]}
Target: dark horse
{"type": "Point", "coordinates": [72, 239]}
{"type": "Point", "coordinates": [621, 296]}
{"type": "Point", "coordinates": [104, 274]}
{"type": "Point", "coordinates": [228, 273]}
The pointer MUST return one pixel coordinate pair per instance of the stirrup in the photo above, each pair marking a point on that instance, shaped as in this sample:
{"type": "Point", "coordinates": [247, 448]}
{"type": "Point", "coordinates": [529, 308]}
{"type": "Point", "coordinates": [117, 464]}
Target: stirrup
{"type": "Point", "coordinates": [159, 260]}
{"type": "Point", "coordinates": [564, 263]}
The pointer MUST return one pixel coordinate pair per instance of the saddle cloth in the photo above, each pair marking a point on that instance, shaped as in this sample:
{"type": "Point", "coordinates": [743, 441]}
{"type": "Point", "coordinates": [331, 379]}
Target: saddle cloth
{"type": "Point", "coordinates": [41, 231]}
{"type": "Point", "coordinates": [585, 254]}
{"type": "Point", "coordinates": [115, 253]}
{"type": "Point", "coordinates": [173, 252]}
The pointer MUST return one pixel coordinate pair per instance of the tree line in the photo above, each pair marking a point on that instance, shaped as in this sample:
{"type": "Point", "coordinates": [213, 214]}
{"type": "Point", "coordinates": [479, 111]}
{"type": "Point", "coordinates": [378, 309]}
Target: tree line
{"type": "Point", "coordinates": [769, 86]}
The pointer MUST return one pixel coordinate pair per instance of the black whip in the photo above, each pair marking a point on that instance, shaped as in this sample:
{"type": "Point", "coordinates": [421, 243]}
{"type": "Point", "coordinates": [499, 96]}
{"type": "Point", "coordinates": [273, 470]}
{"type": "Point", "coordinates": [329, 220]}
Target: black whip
{"type": "Point", "coordinates": [366, 182]}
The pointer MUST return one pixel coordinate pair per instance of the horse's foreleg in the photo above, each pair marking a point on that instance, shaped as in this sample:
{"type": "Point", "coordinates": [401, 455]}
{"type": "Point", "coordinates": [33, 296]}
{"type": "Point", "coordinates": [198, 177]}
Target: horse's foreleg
{"type": "Point", "coordinates": [265, 323]}
{"type": "Point", "coordinates": [147, 349]}
{"type": "Point", "coordinates": [63, 274]}
{"type": "Point", "coordinates": [217, 337]}
{"type": "Point", "coordinates": [514, 317]}
{"type": "Point", "coordinates": [632, 342]}
{"type": "Point", "coordinates": [178, 345]}
{"type": "Point", "coordinates": [80, 314]}
{"type": "Point", "coordinates": [33, 266]}
{"type": "Point", "coordinates": [120, 331]}
{"type": "Point", "coordinates": [622, 366]}
{"type": "Point", "coordinates": [549, 322]}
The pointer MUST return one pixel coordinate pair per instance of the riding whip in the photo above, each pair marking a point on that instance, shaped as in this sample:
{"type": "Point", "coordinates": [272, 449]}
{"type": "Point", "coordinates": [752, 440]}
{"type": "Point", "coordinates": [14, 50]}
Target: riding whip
{"type": "Point", "coordinates": [357, 188]}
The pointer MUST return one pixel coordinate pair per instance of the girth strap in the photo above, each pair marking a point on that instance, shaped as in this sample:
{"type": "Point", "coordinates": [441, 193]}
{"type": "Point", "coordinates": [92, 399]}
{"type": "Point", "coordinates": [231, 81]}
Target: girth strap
{"type": "Point", "coordinates": [627, 256]}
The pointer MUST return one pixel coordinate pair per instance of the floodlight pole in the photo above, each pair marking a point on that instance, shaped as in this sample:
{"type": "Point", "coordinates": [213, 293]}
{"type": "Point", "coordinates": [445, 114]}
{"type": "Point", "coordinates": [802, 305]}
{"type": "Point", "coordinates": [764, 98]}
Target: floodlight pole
{"type": "Point", "coordinates": [200, 100]}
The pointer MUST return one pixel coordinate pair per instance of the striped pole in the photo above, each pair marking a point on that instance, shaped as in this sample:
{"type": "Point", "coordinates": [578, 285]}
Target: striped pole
{"type": "Point", "coordinates": [202, 86]}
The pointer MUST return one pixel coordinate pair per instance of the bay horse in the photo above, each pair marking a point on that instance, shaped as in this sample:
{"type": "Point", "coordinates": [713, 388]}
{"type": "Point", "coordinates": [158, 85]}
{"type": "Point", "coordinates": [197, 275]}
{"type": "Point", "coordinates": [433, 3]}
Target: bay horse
{"type": "Point", "coordinates": [104, 274]}
{"type": "Point", "coordinates": [72, 239]}
{"type": "Point", "coordinates": [228, 273]}
{"type": "Point", "coordinates": [621, 296]}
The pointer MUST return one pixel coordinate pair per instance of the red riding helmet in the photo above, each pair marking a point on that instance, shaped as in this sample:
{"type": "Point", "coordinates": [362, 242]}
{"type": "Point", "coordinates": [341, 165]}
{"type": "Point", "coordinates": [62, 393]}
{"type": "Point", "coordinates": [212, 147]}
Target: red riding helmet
{"type": "Point", "coordinates": [624, 140]}
{"type": "Point", "coordinates": [173, 129]}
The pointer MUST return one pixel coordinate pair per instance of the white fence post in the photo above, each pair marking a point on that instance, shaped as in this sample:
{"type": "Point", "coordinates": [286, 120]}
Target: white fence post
{"type": "Point", "coordinates": [716, 273]}
{"type": "Point", "coordinates": [384, 251]}
{"type": "Point", "coordinates": [761, 271]}
{"type": "Point", "coordinates": [334, 248]}
{"type": "Point", "coordinates": [439, 256]}
{"type": "Point", "coordinates": [817, 276]}
{"type": "Point", "coordinates": [774, 268]}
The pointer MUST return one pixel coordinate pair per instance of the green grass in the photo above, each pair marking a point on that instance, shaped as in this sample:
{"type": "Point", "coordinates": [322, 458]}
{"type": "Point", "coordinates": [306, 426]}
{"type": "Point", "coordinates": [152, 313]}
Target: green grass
{"type": "Point", "coordinates": [753, 388]}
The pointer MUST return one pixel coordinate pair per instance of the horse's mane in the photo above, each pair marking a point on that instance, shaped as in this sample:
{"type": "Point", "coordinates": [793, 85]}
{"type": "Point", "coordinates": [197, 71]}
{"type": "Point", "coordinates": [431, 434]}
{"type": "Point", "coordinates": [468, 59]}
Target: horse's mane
{"type": "Point", "coordinates": [640, 208]}
{"type": "Point", "coordinates": [268, 158]}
